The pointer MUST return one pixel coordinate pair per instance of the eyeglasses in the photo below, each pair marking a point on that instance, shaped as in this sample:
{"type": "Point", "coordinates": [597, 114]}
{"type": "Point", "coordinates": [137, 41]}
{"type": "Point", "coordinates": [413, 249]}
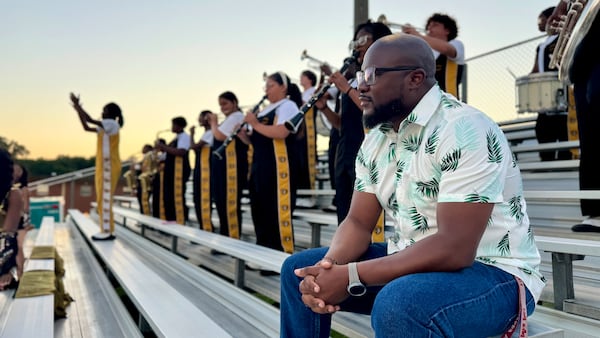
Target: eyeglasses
{"type": "Point", "coordinates": [359, 42]}
{"type": "Point", "coordinates": [369, 75]}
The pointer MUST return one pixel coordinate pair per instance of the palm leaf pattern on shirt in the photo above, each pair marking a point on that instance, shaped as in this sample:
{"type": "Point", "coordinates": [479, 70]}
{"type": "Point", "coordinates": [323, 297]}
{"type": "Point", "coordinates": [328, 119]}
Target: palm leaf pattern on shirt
{"type": "Point", "coordinates": [450, 160]}
{"type": "Point", "coordinates": [448, 103]}
{"type": "Point", "coordinates": [412, 143]}
{"type": "Point", "coordinates": [515, 208]}
{"type": "Point", "coordinates": [486, 260]}
{"type": "Point", "coordinates": [476, 198]}
{"type": "Point", "coordinates": [373, 172]}
{"type": "Point", "coordinates": [467, 137]}
{"type": "Point", "coordinates": [419, 222]}
{"type": "Point", "coordinates": [411, 118]}
{"type": "Point", "coordinates": [360, 158]}
{"type": "Point", "coordinates": [432, 141]}
{"type": "Point", "coordinates": [530, 237]}
{"type": "Point", "coordinates": [429, 189]}
{"type": "Point", "coordinates": [393, 202]}
{"type": "Point", "coordinates": [494, 148]}
{"type": "Point", "coordinates": [514, 160]}
{"type": "Point", "coordinates": [386, 127]}
{"type": "Point", "coordinates": [400, 165]}
{"type": "Point", "coordinates": [504, 245]}
{"type": "Point", "coordinates": [391, 156]}
{"type": "Point", "coordinates": [359, 185]}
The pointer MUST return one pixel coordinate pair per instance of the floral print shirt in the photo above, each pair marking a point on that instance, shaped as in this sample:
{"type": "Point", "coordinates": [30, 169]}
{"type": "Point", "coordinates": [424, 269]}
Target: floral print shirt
{"type": "Point", "coordinates": [448, 151]}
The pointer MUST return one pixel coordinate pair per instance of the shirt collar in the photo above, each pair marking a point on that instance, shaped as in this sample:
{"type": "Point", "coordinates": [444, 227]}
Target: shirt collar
{"type": "Point", "coordinates": [426, 107]}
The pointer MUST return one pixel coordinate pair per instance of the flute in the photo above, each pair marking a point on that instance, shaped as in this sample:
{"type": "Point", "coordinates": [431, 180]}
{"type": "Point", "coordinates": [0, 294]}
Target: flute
{"type": "Point", "coordinates": [229, 138]}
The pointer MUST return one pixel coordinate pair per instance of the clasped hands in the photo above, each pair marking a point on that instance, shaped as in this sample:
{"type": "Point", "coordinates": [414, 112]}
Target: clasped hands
{"type": "Point", "coordinates": [324, 286]}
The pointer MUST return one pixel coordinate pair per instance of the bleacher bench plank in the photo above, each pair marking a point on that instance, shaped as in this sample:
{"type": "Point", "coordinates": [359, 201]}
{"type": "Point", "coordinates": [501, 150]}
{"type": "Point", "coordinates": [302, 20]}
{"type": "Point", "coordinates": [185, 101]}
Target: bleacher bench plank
{"type": "Point", "coordinates": [97, 310]}
{"type": "Point", "coordinates": [171, 314]}
{"type": "Point", "coordinates": [39, 307]}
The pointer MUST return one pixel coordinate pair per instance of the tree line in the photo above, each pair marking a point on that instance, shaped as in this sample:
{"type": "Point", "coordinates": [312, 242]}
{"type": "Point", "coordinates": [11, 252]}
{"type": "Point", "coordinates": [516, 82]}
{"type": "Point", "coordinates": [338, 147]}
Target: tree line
{"type": "Point", "coordinates": [41, 168]}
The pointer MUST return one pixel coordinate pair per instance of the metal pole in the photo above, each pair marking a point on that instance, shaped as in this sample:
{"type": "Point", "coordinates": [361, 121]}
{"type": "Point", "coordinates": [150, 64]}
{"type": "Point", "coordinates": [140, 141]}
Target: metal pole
{"type": "Point", "coordinates": [361, 12]}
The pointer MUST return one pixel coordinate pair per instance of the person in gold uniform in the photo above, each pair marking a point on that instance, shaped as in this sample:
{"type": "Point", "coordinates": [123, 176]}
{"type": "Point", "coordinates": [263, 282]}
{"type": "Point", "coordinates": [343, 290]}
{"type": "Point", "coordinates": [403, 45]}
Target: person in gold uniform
{"type": "Point", "coordinates": [108, 161]}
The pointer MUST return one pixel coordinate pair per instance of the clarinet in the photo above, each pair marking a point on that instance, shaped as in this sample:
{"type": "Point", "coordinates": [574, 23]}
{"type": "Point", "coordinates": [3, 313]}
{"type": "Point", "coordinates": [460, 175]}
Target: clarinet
{"type": "Point", "coordinates": [231, 136]}
{"type": "Point", "coordinates": [294, 123]}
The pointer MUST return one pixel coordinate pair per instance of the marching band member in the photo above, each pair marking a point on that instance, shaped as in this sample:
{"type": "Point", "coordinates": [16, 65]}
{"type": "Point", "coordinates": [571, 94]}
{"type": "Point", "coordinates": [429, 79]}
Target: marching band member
{"type": "Point", "coordinates": [230, 173]}
{"type": "Point", "coordinates": [176, 172]}
{"type": "Point", "coordinates": [449, 52]}
{"type": "Point", "coordinates": [584, 73]}
{"type": "Point", "coordinates": [108, 161]}
{"type": "Point", "coordinates": [272, 183]}
{"type": "Point", "coordinates": [202, 172]}
{"type": "Point", "coordinates": [307, 140]}
{"type": "Point", "coordinates": [144, 180]}
{"type": "Point", "coordinates": [158, 205]}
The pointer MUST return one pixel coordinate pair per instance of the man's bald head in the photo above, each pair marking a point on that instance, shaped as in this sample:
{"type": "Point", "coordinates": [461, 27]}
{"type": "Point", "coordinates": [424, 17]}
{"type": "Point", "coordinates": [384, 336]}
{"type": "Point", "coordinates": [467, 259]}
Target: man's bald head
{"type": "Point", "coordinates": [404, 49]}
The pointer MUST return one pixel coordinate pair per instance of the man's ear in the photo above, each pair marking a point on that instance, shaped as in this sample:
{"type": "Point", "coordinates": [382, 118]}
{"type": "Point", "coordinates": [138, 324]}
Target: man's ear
{"type": "Point", "coordinates": [417, 77]}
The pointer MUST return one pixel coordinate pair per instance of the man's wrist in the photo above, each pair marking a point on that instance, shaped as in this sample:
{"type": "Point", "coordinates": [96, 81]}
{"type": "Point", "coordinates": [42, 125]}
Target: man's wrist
{"type": "Point", "coordinates": [330, 259]}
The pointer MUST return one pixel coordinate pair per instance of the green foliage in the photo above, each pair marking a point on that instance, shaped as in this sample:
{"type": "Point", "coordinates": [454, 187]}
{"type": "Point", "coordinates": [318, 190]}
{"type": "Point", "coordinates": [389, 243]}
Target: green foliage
{"type": "Point", "coordinates": [15, 149]}
{"type": "Point", "coordinates": [41, 168]}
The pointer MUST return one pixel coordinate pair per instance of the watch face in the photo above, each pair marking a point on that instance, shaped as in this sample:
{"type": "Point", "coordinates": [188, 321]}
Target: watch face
{"type": "Point", "coordinates": [357, 289]}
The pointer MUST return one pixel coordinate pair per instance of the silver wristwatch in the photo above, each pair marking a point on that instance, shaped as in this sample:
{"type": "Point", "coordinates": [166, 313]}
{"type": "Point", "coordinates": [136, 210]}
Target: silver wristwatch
{"type": "Point", "coordinates": [355, 287]}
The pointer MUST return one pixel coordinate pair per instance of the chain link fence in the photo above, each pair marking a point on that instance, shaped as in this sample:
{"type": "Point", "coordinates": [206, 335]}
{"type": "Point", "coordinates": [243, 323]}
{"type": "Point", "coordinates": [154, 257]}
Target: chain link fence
{"type": "Point", "coordinates": [490, 78]}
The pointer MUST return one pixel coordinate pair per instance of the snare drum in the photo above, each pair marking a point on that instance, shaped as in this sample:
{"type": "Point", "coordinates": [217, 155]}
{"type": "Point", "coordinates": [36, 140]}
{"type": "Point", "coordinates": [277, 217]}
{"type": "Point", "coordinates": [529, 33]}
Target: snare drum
{"type": "Point", "coordinates": [540, 93]}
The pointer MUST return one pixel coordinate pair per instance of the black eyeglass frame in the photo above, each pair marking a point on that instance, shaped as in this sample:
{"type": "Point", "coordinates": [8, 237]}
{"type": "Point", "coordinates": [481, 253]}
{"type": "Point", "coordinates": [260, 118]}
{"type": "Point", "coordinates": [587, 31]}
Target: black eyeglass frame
{"type": "Point", "coordinates": [381, 70]}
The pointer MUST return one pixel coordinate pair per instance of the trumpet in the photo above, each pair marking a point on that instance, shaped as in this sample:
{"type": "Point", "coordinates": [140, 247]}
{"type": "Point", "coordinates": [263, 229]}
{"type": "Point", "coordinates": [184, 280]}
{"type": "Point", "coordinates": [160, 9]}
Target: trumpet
{"type": "Point", "coordinates": [383, 19]}
{"type": "Point", "coordinates": [229, 138]}
{"type": "Point", "coordinates": [293, 124]}
{"type": "Point", "coordinates": [314, 62]}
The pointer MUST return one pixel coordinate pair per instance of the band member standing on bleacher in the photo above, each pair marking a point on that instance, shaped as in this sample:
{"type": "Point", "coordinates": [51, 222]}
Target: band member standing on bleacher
{"type": "Point", "coordinates": [144, 186]}
{"type": "Point", "coordinates": [351, 129]}
{"type": "Point", "coordinates": [176, 172]}
{"type": "Point", "coordinates": [158, 205]}
{"type": "Point", "coordinates": [230, 172]}
{"type": "Point", "coordinates": [584, 73]}
{"type": "Point", "coordinates": [108, 161]}
{"type": "Point", "coordinates": [307, 141]}
{"type": "Point", "coordinates": [449, 52]}
{"type": "Point", "coordinates": [272, 183]}
{"type": "Point", "coordinates": [202, 172]}
{"type": "Point", "coordinates": [549, 126]}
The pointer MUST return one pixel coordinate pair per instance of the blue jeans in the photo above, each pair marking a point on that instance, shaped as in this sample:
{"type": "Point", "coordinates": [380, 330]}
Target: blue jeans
{"type": "Point", "coordinates": [478, 301]}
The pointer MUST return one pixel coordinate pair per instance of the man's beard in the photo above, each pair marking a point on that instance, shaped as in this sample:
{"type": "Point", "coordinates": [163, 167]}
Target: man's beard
{"type": "Point", "coordinates": [393, 110]}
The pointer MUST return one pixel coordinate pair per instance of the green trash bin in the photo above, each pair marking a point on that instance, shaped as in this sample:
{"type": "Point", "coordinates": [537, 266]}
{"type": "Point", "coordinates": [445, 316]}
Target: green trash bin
{"type": "Point", "coordinates": [45, 206]}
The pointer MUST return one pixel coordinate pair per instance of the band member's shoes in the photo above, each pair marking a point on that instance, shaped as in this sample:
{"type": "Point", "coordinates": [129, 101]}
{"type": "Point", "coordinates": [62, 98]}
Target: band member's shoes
{"type": "Point", "coordinates": [585, 228]}
{"type": "Point", "coordinates": [268, 273]}
{"type": "Point", "coordinates": [591, 224]}
{"type": "Point", "coordinates": [103, 236]}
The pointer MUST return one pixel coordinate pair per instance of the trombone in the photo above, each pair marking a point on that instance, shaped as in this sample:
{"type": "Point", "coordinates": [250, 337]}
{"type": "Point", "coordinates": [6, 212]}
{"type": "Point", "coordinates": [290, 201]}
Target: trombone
{"type": "Point", "coordinates": [383, 19]}
{"type": "Point", "coordinates": [315, 63]}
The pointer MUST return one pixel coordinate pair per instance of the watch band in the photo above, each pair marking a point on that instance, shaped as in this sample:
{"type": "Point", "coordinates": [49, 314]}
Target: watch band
{"type": "Point", "coordinates": [353, 274]}
{"type": "Point", "coordinates": [355, 287]}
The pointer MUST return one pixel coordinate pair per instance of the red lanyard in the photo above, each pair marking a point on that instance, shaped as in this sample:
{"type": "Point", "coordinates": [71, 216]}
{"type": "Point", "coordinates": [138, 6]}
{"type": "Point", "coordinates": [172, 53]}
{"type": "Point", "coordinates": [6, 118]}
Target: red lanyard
{"type": "Point", "coordinates": [522, 314]}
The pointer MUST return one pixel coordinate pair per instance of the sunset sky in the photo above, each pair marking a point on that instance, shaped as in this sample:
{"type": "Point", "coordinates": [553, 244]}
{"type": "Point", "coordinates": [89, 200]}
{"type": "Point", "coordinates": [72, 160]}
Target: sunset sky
{"type": "Point", "coordinates": [161, 59]}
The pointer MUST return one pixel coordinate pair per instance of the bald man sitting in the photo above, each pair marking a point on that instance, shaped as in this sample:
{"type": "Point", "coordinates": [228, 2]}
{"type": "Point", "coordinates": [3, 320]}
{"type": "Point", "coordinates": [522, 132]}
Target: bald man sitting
{"type": "Point", "coordinates": [461, 260]}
